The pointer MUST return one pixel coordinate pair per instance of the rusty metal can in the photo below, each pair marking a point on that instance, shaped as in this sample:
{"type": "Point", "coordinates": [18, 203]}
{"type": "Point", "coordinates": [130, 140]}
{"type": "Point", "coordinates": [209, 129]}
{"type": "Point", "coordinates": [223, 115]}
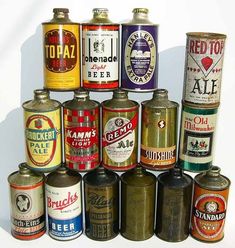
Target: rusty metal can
{"type": "Point", "coordinates": [100, 52]}
{"type": "Point", "coordinates": [61, 46]}
{"type": "Point", "coordinates": [173, 205]}
{"type": "Point", "coordinates": [203, 68]}
{"type": "Point", "coordinates": [209, 205]}
{"type": "Point", "coordinates": [139, 53]}
{"type": "Point", "coordinates": [101, 188]}
{"type": "Point", "coordinates": [120, 132]}
{"type": "Point", "coordinates": [42, 124]}
{"type": "Point", "coordinates": [159, 132]}
{"type": "Point", "coordinates": [27, 203]}
{"type": "Point", "coordinates": [81, 131]}
{"type": "Point", "coordinates": [64, 204]}
{"type": "Point", "coordinates": [137, 204]}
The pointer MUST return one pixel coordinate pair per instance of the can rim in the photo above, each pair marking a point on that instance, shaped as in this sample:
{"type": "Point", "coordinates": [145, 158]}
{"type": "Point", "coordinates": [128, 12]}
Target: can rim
{"type": "Point", "coordinates": [207, 35]}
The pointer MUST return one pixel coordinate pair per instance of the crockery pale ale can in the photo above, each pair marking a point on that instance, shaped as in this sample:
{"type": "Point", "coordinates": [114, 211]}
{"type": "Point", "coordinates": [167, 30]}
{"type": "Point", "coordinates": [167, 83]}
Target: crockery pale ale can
{"type": "Point", "coordinates": [120, 132]}
{"type": "Point", "coordinates": [100, 52]}
{"type": "Point", "coordinates": [27, 204]}
{"type": "Point", "coordinates": [139, 53]}
{"type": "Point", "coordinates": [203, 68]}
{"type": "Point", "coordinates": [42, 124]}
{"type": "Point", "coordinates": [61, 46]}
{"type": "Point", "coordinates": [209, 205]}
{"type": "Point", "coordinates": [81, 131]}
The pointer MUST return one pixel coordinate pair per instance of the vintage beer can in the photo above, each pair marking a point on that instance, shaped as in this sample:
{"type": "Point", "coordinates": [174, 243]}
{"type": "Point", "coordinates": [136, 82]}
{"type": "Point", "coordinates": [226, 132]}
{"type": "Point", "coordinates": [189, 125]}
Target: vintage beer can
{"type": "Point", "coordinates": [120, 132]}
{"type": "Point", "coordinates": [139, 68]}
{"type": "Point", "coordinates": [101, 204]}
{"type": "Point", "coordinates": [81, 131]}
{"type": "Point", "coordinates": [42, 124]}
{"type": "Point", "coordinates": [173, 205]}
{"type": "Point", "coordinates": [61, 47]}
{"type": "Point", "coordinates": [64, 204]}
{"type": "Point", "coordinates": [27, 204]}
{"type": "Point", "coordinates": [209, 205]}
{"type": "Point", "coordinates": [197, 137]}
{"type": "Point", "coordinates": [100, 52]}
{"type": "Point", "coordinates": [203, 68]}
{"type": "Point", "coordinates": [137, 204]}
{"type": "Point", "coordinates": [159, 131]}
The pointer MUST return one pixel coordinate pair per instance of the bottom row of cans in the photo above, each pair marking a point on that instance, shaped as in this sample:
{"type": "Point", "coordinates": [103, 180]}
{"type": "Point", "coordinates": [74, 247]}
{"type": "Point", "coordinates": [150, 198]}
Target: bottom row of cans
{"type": "Point", "coordinates": [175, 204]}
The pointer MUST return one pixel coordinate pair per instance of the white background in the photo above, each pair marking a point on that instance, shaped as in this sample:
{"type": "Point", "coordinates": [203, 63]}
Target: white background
{"type": "Point", "coordinates": [21, 73]}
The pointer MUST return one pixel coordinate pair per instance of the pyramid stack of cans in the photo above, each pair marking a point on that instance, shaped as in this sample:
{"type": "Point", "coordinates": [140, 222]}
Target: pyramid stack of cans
{"type": "Point", "coordinates": [65, 139]}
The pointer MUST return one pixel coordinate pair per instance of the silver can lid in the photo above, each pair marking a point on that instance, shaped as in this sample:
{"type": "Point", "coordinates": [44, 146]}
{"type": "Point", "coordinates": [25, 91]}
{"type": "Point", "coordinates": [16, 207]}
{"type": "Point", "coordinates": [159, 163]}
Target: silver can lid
{"type": "Point", "coordinates": [98, 11]}
{"type": "Point", "coordinates": [81, 93]}
{"type": "Point", "coordinates": [140, 10]}
{"type": "Point", "coordinates": [41, 94]}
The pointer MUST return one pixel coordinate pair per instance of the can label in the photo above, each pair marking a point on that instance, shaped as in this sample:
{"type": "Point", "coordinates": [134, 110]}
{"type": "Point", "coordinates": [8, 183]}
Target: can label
{"type": "Point", "coordinates": [203, 70]}
{"type": "Point", "coordinates": [81, 138]}
{"type": "Point", "coordinates": [28, 212]}
{"type": "Point", "coordinates": [139, 57]}
{"type": "Point", "coordinates": [100, 56]}
{"type": "Point", "coordinates": [43, 139]}
{"type": "Point", "coordinates": [64, 211]}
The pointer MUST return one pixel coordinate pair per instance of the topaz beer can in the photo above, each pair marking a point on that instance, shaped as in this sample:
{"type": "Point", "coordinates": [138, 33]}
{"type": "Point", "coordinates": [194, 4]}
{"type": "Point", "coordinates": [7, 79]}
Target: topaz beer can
{"type": "Point", "coordinates": [61, 50]}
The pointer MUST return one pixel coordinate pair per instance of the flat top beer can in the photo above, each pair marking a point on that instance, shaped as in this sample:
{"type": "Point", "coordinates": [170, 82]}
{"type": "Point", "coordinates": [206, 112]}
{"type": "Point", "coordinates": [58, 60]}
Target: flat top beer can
{"type": "Point", "coordinates": [42, 124]}
{"type": "Point", "coordinates": [120, 132]}
{"type": "Point", "coordinates": [101, 188]}
{"type": "Point", "coordinates": [81, 131]}
{"type": "Point", "coordinates": [210, 198]}
{"type": "Point", "coordinates": [100, 52]}
{"type": "Point", "coordinates": [27, 204]}
{"type": "Point", "coordinates": [61, 51]}
{"type": "Point", "coordinates": [64, 204]}
{"type": "Point", "coordinates": [139, 67]}
{"type": "Point", "coordinates": [203, 68]}
{"type": "Point", "coordinates": [159, 132]}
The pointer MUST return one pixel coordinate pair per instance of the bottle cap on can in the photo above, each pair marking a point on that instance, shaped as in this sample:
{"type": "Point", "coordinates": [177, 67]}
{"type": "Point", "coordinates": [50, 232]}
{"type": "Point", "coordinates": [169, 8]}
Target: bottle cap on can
{"type": "Point", "coordinates": [140, 10]}
{"type": "Point", "coordinates": [81, 93]}
{"type": "Point", "coordinates": [41, 94]}
{"type": "Point", "coordinates": [120, 94]}
{"type": "Point", "coordinates": [63, 10]}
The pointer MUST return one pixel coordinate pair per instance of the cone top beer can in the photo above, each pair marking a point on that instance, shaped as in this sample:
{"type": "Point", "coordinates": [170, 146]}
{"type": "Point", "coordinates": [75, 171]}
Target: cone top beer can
{"type": "Point", "coordinates": [81, 131]}
{"type": "Point", "coordinates": [139, 67]}
{"type": "Point", "coordinates": [101, 204]}
{"type": "Point", "coordinates": [159, 132]}
{"type": "Point", "coordinates": [197, 135]}
{"type": "Point", "coordinates": [203, 68]}
{"type": "Point", "coordinates": [61, 46]}
{"type": "Point", "coordinates": [64, 204]}
{"type": "Point", "coordinates": [100, 52]}
{"type": "Point", "coordinates": [27, 204]}
{"type": "Point", "coordinates": [209, 205]}
{"type": "Point", "coordinates": [120, 132]}
{"type": "Point", "coordinates": [42, 124]}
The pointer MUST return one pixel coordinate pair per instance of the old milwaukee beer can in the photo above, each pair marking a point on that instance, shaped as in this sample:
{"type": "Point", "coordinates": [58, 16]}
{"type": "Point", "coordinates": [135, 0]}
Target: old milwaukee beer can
{"type": "Point", "coordinates": [203, 68]}
{"type": "Point", "coordinates": [42, 124]}
{"type": "Point", "coordinates": [81, 131]}
{"type": "Point", "coordinates": [64, 204]}
{"type": "Point", "coordinates": [209, 205]}
{"type": "Point", "coordinates": [100, 52]}
{"type": "Point", "coordinates": [137, 204]}
{"type": "Point", "coordinates": [61, 47]}
{"type": "Point", "coordinates": [197, 137]}
{"type": "Point", "coordinates": [139, 53]}
{"type": "Point", "coordinates": [120, 132]}
{"type": "Point", "coordinates": [27, 204]}
{"type": "Point", "coordinates": [101, 204]}
{"type": "Point", "coordinates": [159, 132]}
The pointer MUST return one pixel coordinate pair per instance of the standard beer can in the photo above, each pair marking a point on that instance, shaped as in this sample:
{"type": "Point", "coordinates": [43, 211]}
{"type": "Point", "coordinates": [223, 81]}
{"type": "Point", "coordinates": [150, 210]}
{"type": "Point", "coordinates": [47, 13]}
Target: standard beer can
{"type": "Point", "coordinates": [101, 189]}
{"type": "Point", "coordinates": [203, 68]}
{"type": "Point", "coordinates": [61, 52]}
{"type": "Point", "coordinates": [209, 205]}
{"type": "Point", "coordinates": [139, 67]}
{"type": "Point", "coordinates": [100, 52]}
{"type": "Point", "coordinates": [81, 131]}
{"type": "Point", "coordinates": [27, 204]}
{"type": "Point", "coordinates": [159, 132]}
{"type": "Point", "coordinates": [42, 124]}
{"type": "Point", "coordinates": [120, 132]}
{"type": "Point", "coordinates": [64, 204]}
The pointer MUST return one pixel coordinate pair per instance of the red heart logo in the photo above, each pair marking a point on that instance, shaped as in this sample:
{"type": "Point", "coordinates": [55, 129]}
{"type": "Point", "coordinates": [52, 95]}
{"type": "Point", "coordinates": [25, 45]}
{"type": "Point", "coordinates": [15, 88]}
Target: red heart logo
{"type": "Point", "coordinates": [207, 62]}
